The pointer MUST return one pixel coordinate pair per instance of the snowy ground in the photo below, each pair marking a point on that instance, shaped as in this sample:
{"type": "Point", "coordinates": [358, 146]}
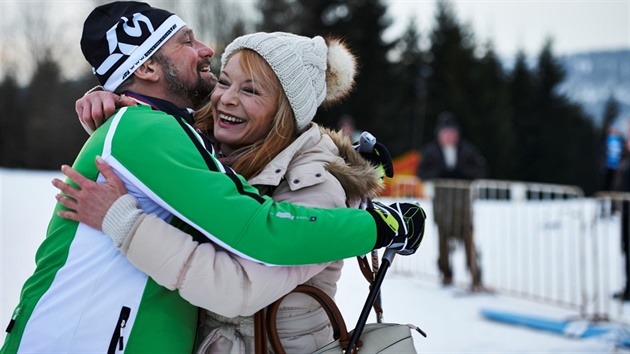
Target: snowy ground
{"type": "Point", "coordinates": [450, 317]}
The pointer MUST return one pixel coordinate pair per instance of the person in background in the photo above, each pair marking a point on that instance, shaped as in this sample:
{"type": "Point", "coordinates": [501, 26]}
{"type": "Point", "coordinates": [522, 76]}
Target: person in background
{"type": "Point", "coordinates": [348, 126]}
{"type": "Point", "coordinates": [621, 183]}
{"type": "Point", "coordinates": [450, 157]}
{"type": "Point", "coordinates": [85, 296]}
{"type": "Point", "coordinates": [614, 147]}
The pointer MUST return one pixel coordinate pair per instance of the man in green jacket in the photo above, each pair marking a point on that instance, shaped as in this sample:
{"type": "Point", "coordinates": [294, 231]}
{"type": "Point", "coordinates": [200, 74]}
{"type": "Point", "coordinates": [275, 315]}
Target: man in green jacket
{"type": "Point", "coordinates": [84, 295]}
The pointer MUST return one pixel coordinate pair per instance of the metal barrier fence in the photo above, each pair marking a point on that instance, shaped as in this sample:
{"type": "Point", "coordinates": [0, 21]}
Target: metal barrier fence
{"type": "Point", "coordinates": [542, 242]}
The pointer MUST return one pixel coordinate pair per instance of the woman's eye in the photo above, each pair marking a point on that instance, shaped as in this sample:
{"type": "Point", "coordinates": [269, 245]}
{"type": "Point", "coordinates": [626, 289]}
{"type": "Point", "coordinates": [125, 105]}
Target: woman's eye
{"type": "Point", "coordinates": [223, 83]}
{"type": "Point", "coordinates": [249, 90]}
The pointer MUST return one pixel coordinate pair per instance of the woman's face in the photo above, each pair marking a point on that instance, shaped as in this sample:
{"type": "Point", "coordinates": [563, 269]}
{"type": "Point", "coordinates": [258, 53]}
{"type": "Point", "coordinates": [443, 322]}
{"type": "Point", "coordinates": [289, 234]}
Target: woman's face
{"type": "Point", "coordinates": [243, 108]}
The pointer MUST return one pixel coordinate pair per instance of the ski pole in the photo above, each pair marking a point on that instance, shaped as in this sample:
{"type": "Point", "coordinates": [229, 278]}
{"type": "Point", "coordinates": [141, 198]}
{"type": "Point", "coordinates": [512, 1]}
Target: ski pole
{"type": "Point", "coordinates": [388, 257]}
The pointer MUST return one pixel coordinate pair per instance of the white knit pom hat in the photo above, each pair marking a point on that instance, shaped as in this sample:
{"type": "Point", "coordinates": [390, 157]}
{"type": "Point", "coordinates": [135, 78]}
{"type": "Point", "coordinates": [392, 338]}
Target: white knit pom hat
{"type": "Point", "coordinates": [310, 70]}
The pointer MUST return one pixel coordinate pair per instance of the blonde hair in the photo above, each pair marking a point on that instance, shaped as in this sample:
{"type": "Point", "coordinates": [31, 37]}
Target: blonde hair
{"type": "Point", "coordinates": [250, 160]}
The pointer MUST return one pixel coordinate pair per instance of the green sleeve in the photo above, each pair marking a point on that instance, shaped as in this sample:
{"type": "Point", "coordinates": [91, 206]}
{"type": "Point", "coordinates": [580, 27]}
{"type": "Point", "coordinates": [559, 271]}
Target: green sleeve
{"type": "Point", "coordinates": [159, 152]}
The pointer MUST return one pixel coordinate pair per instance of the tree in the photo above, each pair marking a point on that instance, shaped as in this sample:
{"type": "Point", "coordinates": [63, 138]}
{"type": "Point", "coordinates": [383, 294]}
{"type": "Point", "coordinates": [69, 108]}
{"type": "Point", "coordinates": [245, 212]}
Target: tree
{"type": "Point", "coordinates": [522, 89]}
{"type": "Point", "coordinates": [557, 139]}
{"type": "Point", "coordinates": [53, 136]}
{"type": "Point", "coordinates": [12, 122]}
{"type": "Point", "coordinates": [492, 124]}
{"type": "Point", "coordinates": [411, 69]}
{"type": "Point", "coordinates": [453, 61]}
{"type": "Point", "coordinates": [35, 36]}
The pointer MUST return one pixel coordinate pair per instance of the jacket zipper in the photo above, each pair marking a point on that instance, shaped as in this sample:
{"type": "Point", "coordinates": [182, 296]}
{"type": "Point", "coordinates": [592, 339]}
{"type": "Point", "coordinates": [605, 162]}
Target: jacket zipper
{"type": "Point", "coordinates": [117, 337]}
{"type": "Point", "coordinates": [16, 313]}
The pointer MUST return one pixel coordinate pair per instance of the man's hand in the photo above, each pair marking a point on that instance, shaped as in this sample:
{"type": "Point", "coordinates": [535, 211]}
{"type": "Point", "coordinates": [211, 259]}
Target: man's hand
{"type": "Point", "coordinates": [400, 226]}
{"type": "Point", "coordinates": [90, 202]}
{"type": "Point", "coordinates": [96, 107]}
{"type": "Point", "coordinates": [414, 217]}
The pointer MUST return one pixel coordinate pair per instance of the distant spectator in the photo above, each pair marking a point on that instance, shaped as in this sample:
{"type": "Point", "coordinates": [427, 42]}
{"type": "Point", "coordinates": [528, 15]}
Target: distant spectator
{"type": "Point", "coordinates": [622, 183]}
{"type": "Point", "coordinates": [451, 157]}
{"type": "Point", "coordinates": [613, 153]}
{"type": "Point", "coordinates": [348, 126]}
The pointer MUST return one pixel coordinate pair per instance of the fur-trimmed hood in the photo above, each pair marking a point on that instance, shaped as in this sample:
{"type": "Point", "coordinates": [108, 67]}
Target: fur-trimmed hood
{"type": "Point", "coordinates": [315, 151]}
{"type": "Point", "coordinates": [358, 177]}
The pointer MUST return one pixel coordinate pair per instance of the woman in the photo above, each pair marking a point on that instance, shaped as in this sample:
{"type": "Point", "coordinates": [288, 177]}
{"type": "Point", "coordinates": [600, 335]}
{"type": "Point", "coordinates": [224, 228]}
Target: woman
{"type": "Point", "coordinates": [259, 118]}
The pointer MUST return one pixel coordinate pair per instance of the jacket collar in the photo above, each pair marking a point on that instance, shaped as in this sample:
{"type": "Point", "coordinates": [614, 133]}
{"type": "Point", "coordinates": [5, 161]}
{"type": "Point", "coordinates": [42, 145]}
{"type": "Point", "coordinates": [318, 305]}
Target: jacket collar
{"type": "Point", "coordinates": [277, 168]}
{"type": "Point", "coordinates": [164, 106]}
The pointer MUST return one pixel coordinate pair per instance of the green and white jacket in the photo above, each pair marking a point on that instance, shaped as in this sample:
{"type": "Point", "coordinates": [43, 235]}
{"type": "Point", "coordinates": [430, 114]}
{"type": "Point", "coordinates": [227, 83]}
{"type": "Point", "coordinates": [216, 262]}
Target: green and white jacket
{"type": "Point", "coordinates": [85, 297]}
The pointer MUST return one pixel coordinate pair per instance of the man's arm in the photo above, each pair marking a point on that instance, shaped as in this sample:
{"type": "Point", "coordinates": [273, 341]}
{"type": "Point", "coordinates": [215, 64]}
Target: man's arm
{"type": "Point", "coordinates": [157, 154]}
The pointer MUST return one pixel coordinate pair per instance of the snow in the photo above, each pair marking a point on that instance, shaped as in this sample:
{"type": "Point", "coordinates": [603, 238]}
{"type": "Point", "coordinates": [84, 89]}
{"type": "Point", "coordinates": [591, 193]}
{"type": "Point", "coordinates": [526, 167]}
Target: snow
{"type": "Point", "coordinates": [449, 315]}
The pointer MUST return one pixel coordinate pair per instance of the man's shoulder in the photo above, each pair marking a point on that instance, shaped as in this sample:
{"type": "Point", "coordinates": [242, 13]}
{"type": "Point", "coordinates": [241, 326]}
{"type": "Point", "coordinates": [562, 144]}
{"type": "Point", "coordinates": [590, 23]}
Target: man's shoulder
{"type": "Point", "coordinates": [141, 111]}
{"type": "Point", "coordinates": [142, 117]}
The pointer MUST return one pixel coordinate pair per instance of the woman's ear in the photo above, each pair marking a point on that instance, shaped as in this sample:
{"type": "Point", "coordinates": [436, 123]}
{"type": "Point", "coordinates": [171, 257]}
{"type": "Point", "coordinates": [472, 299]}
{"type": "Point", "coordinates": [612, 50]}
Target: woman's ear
{"type": "Point", "coordinates": [149, 71]}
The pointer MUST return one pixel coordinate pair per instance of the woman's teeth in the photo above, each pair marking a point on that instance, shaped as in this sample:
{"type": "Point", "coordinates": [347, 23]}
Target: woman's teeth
{"type": "Point", "coordinates": [231, 119]}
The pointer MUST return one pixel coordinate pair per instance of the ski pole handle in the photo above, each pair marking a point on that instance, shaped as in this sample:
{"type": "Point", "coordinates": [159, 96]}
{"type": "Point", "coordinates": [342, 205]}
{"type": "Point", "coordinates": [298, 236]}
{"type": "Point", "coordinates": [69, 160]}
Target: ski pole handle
{"type": "Point", "coordinates": [366, 143]}
{"type": "Point", "coordinates": [389, 255]}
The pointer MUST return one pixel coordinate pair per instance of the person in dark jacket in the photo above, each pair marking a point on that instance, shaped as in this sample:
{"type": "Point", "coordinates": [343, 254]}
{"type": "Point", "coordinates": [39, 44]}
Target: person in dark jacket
{"type": "Point", "coordinates": [453, 162]}
{"type": "Point", "coordinates": [621, 183]}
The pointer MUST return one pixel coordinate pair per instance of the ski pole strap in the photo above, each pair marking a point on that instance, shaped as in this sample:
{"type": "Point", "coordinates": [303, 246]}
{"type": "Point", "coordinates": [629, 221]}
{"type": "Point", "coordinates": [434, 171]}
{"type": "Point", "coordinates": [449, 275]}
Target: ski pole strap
{"type": "Point", "coordinates": [366, 270]}
{"type": "Point", "coordinates": [369, 274]}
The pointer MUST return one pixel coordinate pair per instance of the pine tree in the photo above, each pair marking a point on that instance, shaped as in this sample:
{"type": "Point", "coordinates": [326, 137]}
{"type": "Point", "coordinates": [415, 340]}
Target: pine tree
{"type": "Point", "coordinates": [565, 150]}
{"type": "Point", "coordinates": [453, 61]}
{"type": "Point", "coordinates": [522, 90]}
{"type": "Point", "coordinates": [53, 135]}
{"type": "Point", "coordinates": [411, 70]}
{"type": "Point", "coordinates": [492, 125]}
{"type": "Point", "coordinates": [12, 123]}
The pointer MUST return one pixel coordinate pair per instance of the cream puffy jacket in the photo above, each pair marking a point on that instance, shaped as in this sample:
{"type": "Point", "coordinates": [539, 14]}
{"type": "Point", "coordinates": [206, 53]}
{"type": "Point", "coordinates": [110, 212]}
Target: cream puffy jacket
{"type": "Point", "coordinates": [319, 169]}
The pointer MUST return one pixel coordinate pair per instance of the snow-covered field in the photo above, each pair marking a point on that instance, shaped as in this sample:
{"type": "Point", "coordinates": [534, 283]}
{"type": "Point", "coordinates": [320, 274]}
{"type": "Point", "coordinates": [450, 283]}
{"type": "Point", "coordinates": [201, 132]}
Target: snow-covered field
{"type": "Point", "coordinates": [450, 317]}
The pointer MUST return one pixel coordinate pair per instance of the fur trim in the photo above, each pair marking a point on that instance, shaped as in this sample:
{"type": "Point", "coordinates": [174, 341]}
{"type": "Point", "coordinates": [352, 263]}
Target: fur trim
{"type": "Point", "coordinates": [357, 176]}
{"type": "Point", "coordinates": [340, 72]}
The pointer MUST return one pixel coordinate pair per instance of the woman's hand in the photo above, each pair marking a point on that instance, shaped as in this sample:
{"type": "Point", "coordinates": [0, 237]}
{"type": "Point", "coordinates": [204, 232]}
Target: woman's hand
{"type": "Point", "coordinates": [96, 107]}
{"type": "Point", "coordinates": [90, 203]}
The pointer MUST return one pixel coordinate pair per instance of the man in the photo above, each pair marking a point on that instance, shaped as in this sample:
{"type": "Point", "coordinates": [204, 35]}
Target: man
{"type": "Point", "coordinates": [453, 158]}
{"type": "Point", "coordinates": [84, 296]}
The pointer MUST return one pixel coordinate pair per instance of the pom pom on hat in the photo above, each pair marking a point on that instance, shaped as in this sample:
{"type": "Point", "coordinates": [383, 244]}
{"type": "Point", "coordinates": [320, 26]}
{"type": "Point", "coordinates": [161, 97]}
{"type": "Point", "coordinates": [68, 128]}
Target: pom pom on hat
{"type": "Point", "coordinates": [118, 37]}
{"type": "Point", "coordinates": [310, 70]}
{"type": "Point", "coordinates": [342, 69]}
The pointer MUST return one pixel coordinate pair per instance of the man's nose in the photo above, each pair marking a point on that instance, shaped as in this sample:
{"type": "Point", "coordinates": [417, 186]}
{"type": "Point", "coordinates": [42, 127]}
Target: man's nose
{"type": "Point", "coordinates": [205, 51]}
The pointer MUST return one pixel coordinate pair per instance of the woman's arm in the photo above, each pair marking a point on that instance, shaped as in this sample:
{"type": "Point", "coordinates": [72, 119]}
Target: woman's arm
{"type": "Point", "coordinates": [207, 276]}
{"type": "Point", "coordinates": [204, 274]}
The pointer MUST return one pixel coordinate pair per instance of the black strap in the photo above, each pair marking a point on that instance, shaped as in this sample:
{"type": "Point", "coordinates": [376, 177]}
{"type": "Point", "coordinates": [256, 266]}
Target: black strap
{"type": "Point", "coordinates": [212, 163]}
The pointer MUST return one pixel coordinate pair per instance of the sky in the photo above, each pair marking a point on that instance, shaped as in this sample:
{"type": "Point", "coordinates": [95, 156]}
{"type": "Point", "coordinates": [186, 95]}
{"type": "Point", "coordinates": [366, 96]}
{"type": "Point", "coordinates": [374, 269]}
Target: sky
{"type": "Point", "coordinates": [450, 317]}
{"type": "Point", "coordinates": [513, 25]}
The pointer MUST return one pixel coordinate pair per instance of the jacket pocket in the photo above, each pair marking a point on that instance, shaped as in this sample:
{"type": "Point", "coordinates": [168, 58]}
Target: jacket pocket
{"type": "Point", "coordinates": [118, 341]}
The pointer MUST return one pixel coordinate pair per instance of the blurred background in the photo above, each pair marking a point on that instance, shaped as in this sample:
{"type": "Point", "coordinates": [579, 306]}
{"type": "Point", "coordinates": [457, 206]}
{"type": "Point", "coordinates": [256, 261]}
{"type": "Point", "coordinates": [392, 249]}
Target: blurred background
{"type": "Point", "coordinates": [538, 87]}
{"type": "Point", "coordinates": [532, 84]}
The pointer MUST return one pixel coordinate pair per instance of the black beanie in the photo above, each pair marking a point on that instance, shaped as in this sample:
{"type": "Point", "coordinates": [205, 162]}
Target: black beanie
{"type": "Point", "coordinates": [446, 120]}
{"type": "Point", "coordinates": [118, 37]}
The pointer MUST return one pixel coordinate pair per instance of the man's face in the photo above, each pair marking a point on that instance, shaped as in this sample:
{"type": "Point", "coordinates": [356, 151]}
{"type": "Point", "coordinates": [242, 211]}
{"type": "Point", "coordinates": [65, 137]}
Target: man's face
{"type": "Point", "coordinates": [185, 63]}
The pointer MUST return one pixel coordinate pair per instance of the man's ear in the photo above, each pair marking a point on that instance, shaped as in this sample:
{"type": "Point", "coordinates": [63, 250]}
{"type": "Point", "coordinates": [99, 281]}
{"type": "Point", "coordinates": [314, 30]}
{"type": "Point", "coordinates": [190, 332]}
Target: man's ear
{"type": "Point", "coordinates": [149, 71]}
